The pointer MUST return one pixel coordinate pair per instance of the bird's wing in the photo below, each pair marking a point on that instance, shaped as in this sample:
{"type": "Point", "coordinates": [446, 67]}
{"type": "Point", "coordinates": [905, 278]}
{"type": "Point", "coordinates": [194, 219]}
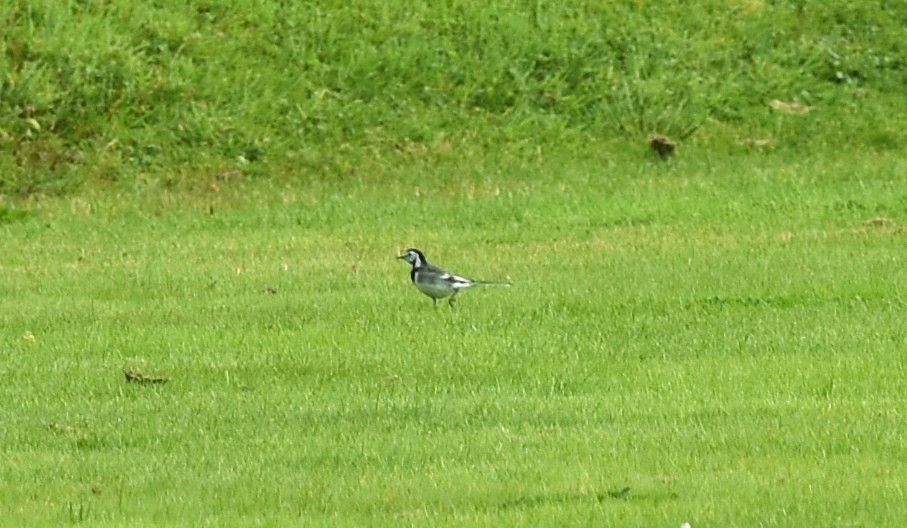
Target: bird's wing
{"type": "Point", "coordinates": [458, 282]}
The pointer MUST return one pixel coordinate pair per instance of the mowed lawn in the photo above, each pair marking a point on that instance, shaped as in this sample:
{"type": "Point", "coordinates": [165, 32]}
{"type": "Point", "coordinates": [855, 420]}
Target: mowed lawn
{"type": "Point", "coordinates": [719, 342]}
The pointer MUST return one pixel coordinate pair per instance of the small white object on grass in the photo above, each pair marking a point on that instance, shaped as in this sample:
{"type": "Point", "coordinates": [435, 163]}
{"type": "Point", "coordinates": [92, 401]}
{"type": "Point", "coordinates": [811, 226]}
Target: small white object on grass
{"type": "Point", "coordinates": [686, 525]}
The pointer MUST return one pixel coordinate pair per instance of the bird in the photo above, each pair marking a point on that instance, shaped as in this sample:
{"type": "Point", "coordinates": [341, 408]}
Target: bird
{"type": "Point", "coordinates": [436, 282]}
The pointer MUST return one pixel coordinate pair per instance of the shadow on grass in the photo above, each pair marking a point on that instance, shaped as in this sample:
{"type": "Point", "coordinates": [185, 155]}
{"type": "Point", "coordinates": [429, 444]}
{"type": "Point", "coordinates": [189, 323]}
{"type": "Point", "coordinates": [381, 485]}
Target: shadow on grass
{"type": "Point", "coordinates": [617, 494]}
{"type": "Point", "coordinates": [8, 216]}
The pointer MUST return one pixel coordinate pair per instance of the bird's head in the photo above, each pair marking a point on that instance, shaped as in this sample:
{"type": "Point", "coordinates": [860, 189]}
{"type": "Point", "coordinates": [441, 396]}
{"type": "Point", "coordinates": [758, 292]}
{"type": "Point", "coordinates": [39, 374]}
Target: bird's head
{"type": "Point", "coordinates": [413, 256]}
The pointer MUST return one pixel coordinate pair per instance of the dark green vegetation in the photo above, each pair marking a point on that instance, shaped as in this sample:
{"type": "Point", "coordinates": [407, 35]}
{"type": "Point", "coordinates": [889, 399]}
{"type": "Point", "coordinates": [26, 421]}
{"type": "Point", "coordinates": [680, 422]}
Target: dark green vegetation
{"type": "Point", "coordinates": [209, 196]}
{"type": "Point", "coordinates": [118, 91]}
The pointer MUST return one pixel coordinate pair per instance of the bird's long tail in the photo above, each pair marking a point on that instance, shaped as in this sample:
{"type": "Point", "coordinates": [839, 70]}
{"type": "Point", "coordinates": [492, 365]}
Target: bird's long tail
{"type": "Point", "coordinates": [492, 283]}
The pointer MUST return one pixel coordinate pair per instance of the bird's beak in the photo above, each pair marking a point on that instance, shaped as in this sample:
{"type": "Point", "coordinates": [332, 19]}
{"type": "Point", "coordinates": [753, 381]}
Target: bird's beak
{"type": "Point", "coordinates": [401, 256]}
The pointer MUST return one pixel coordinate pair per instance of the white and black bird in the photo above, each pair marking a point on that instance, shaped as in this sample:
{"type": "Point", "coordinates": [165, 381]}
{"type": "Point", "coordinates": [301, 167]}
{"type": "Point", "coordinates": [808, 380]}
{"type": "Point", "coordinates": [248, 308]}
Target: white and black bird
{"type": "Point", "coordinates": [437, 283]}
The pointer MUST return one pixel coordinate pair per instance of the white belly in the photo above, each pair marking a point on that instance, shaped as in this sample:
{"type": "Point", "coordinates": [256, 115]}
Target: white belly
{"type": "Point", "coordinates": [436, 291]}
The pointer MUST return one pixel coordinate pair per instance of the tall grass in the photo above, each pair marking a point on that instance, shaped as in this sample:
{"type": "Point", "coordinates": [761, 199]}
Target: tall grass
{"type": "Point", "coordinates": [113, 91]}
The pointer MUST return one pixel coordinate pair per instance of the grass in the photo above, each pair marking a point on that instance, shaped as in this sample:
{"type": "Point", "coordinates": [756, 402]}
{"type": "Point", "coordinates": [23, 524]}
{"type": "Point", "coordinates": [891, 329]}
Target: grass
{"type": "Point", "coordinates": [211, 195]}
{"type": "Point", "coordinates": [170, 91]}
{"type": "Point", "coordinates": [694, 341]}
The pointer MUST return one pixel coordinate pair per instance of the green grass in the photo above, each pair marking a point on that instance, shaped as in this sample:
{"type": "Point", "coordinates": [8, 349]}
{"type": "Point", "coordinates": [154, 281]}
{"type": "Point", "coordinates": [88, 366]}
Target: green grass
{"type": "Point", "coordinates": [110, 93]}
{"type": "Point", "coordinates": [214, 192]}
{"type": "Point", "coordinates": [702, 341]}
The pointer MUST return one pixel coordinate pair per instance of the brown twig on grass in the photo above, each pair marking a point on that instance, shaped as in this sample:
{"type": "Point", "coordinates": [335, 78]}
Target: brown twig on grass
{"type": "Point", "coordinates": [135, 376]}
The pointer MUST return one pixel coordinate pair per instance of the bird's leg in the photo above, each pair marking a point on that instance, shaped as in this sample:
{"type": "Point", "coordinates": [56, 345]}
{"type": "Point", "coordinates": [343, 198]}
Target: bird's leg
{"type": "Point", "coordinates": [453, 297]}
